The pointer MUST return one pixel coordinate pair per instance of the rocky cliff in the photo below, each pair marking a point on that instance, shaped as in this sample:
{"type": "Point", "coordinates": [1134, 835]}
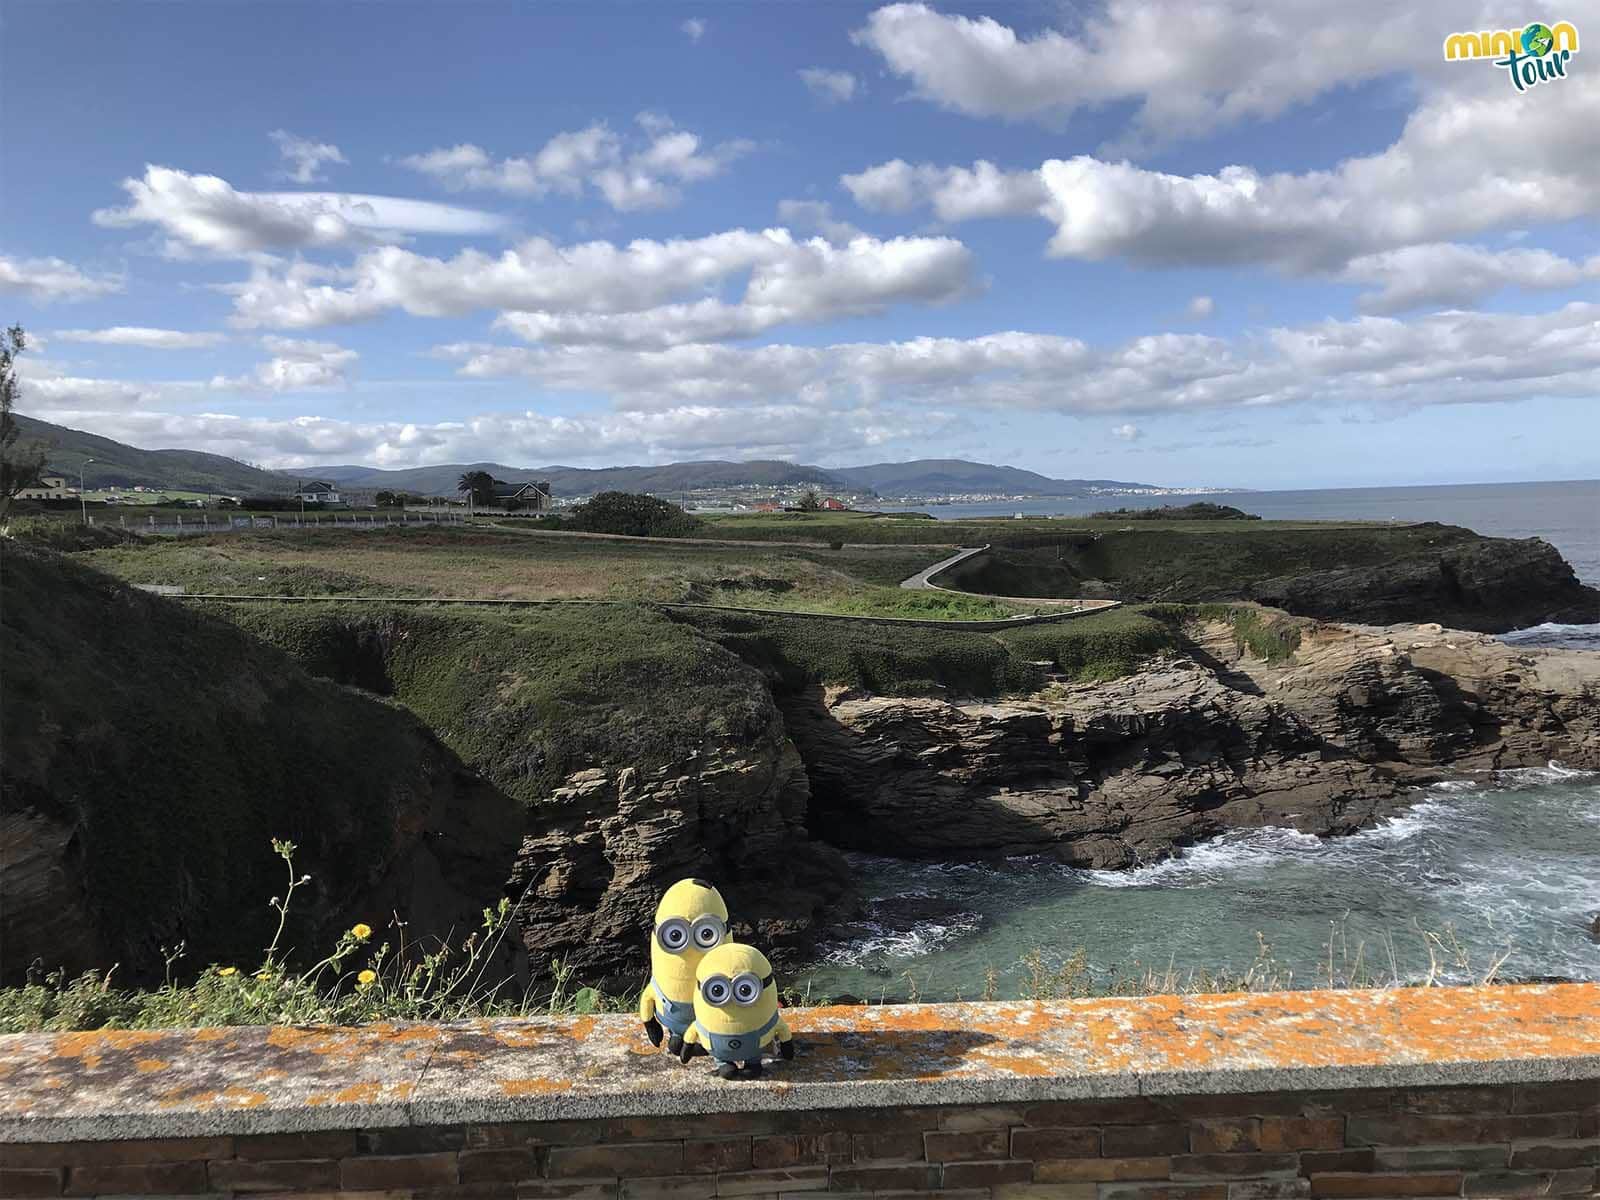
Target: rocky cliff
{"type": "Point", "coordinates": [639, 753]}
{"type": "Point", "coordinates": [1113, 773]}
{"type": "Point", "coordinates": [1377, 574]}
{"type": "Point", "coordinates": [151, 754]}
{"type": "Point", "coordinates": [1490, 584]}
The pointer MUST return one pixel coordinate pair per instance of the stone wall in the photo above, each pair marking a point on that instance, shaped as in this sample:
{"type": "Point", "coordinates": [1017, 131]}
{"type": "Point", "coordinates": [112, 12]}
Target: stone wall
{"type": "Point", "coordinates": [1437, 1092]}
{"type": "Point", "coordinates": [1506, 1140]}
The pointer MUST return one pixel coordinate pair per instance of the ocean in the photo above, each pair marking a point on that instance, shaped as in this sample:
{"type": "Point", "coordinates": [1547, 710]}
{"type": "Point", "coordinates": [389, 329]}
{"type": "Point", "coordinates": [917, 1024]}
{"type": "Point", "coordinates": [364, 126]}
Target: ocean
{"type": "Point", "coordinates": [1499, 868]}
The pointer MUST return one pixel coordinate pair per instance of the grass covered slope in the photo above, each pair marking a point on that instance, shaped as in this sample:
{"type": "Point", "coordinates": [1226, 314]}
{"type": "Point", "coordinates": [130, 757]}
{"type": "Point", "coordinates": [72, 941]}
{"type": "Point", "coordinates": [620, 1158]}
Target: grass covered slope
{"type": "Point", "coordinates": [117, 464]}
{"type": "Point", "coordinates": [527, 697]}
{"type": "Point", "coordinates": [153, 751]}
{"type": "Point", "coordinates": [889, 660]}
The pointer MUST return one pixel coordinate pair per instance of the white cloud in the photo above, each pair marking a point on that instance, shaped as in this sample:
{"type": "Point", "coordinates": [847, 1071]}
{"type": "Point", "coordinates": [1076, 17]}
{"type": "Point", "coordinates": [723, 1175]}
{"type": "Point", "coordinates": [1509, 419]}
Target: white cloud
{"type": "Point", "coordinates": [1449, 274]}
{"type": "Point", "coordinates": [1190, 65]}
{"type": "Point", "coordinates": [694, 29]}
{"type": "Point", "coordinates": [1201, 307]}
{"type": "Point", "coordinates": [816, 216]}
{"type": "Point", "coordinates": [686, 431]}
{"type": "Point", "coordinates": [645, 293]}
{"type": "Point", "coordinates": [1127, 432]}
{"type": "Point", "coordinates": [954, 193]}
{"type": "Point", "coordinates": [305, 157]}
{"type": "Point", "coordinates": [46, 279]}
{"type": "Point", "coordinates": [630, 176]}
{"type": "Point", "coordinates": [205, 213]}
{"type": "Point", "coordinates": [1443, 358]}
{"type": "Point", "coordinates": [139, 335]}
{"type": "Point", "coordinates": [819, 401]}
{"type": "Point", "coordinates": [831, 87]}
{"type": "Point", "coordinates": [296, 366]}
{"type": "Point", "coordinates": [1433, 184]}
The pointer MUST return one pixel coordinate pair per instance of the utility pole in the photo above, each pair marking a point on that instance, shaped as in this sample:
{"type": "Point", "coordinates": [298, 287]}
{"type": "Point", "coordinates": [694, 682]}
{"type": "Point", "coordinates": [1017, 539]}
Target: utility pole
{"type": "Point", "coordinates": [83, 502]}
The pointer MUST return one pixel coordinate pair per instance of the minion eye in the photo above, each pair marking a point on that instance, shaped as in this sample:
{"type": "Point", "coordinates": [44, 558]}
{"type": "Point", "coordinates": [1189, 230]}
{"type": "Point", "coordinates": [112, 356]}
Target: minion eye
{"type": "Point", "coordinates": [673, 935]}
{"type": "Point", "coordinates": [707, 932]}
{"type": "Point", "coordinates": [746, 989]}
{"type": "Point", "coordinates": [716, 990]}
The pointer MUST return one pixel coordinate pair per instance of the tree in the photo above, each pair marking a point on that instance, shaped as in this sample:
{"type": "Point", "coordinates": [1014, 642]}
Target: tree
{"type": "Point", "coordinates": [479, 485]}
{"type": "Point", "coordinates": [387, 500]}
{"type": "Point", "coordinates": [631, 513]}
{"type": "Point", "coordinates": [20, 466]}
{"type": "Point", "coordinates": [810, 502]}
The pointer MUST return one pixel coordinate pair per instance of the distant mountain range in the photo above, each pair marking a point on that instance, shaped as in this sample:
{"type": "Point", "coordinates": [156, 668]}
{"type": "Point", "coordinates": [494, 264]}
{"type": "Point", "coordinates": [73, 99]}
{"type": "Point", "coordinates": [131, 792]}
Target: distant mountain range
{"type": "Point", "coordinates": [923, 477]}
{"type": "Point", "coordinates": [119, 465]}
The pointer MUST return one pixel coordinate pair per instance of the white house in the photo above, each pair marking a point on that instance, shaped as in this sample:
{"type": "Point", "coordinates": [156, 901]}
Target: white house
{"type": "Point", "coordinates": [318, 492]}
{"type": "Point", "coordinates": [48, 487]}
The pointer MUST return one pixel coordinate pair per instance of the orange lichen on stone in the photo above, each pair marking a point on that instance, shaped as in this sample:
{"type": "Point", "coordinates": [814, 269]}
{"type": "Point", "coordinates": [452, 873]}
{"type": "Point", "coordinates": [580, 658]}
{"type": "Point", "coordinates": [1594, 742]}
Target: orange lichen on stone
{"type": "Point", "coordinates": [204, 1100]}
{"type": "Point", "coordinates": [534, 1087]}
{"type": "Point", "coordinates": [147, 1065]}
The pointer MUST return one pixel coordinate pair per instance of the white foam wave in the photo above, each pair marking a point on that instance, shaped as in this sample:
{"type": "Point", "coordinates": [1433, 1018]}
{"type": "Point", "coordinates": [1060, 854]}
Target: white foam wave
{"type": "Point", "coordinates": [1231, 853]}
{"type": "Point", "coordinates": [881, 941]}
{"type": "Point", "coordinates": [1419, 818]}
{"type": "Point", "coordinates": [1551, 772]}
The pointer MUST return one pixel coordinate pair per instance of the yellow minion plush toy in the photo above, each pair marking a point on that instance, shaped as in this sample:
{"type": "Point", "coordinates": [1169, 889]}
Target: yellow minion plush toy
{"type": "Point", "coordinates": [690, 920]}
{"type": "Point", "coordinates": [736, 1011]}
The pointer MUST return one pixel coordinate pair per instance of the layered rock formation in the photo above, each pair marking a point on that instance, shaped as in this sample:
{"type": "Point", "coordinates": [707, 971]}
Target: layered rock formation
{"type": "Point", "coordinates": [1111, 774]}
{"type": "Point", "coordinates": [597, 856]}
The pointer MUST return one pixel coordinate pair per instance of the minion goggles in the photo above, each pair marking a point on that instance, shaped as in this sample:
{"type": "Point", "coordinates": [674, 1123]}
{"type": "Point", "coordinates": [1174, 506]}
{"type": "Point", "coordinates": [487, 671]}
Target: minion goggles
{"type": "Point", "coordinates": [743, 989]}
{"type": "Point", "coordinates": [676, 934]}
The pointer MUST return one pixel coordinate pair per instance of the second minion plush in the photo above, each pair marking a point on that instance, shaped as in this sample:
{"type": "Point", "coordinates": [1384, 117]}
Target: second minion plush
{"type": "Point", "coordinates": [736, 1011]}
{"type": "Point", "coordinates": [690, 920]}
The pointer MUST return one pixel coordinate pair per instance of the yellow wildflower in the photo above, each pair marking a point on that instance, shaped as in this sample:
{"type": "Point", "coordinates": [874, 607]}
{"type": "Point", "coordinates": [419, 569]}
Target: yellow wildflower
{"type": "Point", "coordinates": [226, 971]}
{"type": "Point", "coordinates": [361, 932]}
{"type": "Point", "coordinates": [367, 978]}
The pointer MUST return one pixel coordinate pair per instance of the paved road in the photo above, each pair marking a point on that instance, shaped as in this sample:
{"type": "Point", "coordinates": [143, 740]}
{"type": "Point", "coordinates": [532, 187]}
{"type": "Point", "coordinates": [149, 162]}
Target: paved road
{"type": "Point", "coordinates": [921, 580]}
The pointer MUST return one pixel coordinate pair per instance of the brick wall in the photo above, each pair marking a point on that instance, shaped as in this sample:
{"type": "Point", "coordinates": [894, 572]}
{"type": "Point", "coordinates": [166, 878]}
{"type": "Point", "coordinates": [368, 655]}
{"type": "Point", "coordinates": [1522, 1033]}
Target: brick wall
{"type": "Point", "coordinates": [1508, 1140]}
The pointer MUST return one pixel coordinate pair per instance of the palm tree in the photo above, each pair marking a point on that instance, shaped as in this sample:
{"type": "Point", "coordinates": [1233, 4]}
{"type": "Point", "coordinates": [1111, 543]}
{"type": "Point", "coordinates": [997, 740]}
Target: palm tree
{"type": "Point", "coordinates": [478, 485]}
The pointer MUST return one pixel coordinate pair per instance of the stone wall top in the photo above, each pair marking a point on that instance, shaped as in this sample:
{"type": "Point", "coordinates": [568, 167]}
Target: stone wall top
{"type": "Point", "coordinates": [176, 1083]}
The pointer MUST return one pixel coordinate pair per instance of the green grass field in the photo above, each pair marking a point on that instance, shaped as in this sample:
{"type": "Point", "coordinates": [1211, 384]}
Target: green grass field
{"type": "Point", "coordinates": [488, 563]}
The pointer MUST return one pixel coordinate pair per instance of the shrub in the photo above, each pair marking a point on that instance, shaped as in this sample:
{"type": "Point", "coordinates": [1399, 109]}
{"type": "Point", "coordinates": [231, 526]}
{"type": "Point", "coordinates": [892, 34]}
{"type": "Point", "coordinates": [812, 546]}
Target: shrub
{"type": "Point", "coordinates": [634, 514]}
{"type": "Point", "coordinates": [355, 983]}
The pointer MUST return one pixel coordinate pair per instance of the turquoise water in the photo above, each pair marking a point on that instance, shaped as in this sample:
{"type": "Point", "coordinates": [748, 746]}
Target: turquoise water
{"type": "Point", "coordinates": [1507, 864]}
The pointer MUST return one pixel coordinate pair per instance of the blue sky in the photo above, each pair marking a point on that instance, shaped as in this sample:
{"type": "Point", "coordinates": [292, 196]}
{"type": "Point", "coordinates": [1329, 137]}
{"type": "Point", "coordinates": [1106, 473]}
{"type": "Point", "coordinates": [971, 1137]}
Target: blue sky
{"type": "Point", "coordinates": [1184, 242]}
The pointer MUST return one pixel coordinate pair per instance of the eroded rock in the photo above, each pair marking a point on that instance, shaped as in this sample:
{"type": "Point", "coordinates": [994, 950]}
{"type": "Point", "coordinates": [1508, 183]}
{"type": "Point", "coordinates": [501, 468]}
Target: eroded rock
{"type": "Point", "coordinates": [1114, 773]}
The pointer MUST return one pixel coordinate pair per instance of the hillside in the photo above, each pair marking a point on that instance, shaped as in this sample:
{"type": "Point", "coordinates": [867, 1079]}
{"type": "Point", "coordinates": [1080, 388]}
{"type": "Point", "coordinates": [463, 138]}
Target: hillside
{"type": "Point", "coordinates": [928, 476]}
{"type": "Point", "coordinates": [154, 751]}
{"type": "Point", "coordinates": [117, 464]}
{"type": "Point", "coordinates": [581, 481]}
{"type": "Point", "coordinates": [939, 476]}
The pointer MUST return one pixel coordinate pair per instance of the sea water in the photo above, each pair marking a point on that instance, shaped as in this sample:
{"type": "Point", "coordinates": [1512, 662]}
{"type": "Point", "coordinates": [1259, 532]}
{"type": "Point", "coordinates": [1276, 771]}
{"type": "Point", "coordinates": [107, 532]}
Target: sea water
{"type": "Point", "coordinates": [1494, 870]}
{"type": "Point", "coordinates": [1499, 871]}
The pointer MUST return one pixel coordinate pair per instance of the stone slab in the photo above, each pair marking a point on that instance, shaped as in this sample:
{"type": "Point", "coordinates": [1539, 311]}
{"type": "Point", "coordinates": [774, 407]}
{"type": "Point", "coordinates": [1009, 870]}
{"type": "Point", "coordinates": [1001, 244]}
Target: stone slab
{"type": "Point", "coordinates": [249, 1080]}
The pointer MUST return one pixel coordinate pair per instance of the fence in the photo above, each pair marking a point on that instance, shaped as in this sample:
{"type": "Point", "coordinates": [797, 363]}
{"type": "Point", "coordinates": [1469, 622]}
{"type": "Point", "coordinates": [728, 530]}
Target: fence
{"type": "Point", "coordinates": [224, 522]}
